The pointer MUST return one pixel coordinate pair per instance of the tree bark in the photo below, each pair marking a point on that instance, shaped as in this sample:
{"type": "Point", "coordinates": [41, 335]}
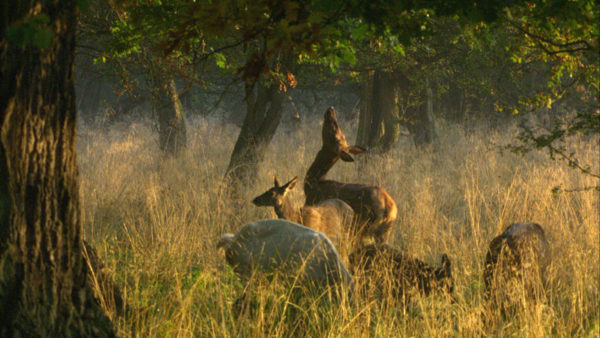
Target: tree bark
{"type": "Point", "coordinates": [365, 115]}
{"type": "Point", "coordinates": [378, 127]}
{"type": "Point", "coordinates": [43, 274]}
{"type": "Point", "coordinates": [172, 135]}
{"type": "Point", "coordinates": [264, 106]}
{"type": "Point", "coordinates": [386, 96]}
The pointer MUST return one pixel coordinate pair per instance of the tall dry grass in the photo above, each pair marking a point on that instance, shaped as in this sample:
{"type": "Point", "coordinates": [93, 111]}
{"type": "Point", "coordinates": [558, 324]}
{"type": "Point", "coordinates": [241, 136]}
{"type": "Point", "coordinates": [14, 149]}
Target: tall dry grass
{"type": "Point", "coordinates": [156, 222]}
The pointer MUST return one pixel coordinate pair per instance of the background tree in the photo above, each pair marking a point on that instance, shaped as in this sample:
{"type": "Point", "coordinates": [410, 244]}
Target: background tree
{"type": "Point", "coordinates": [43, 284]}
{"type": "Point", "coordinates": [469, 62]}
{"type": "Point", "coordinates": [126, 36]}
{"type": "Point", "coordinates": [319, 31]}
{"type": "Point", "coordinates": [566, 38]}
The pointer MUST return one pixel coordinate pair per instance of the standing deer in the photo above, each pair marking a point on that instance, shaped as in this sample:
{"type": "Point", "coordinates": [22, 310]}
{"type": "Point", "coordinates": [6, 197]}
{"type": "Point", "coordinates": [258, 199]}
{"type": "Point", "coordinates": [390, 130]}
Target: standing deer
{"type": "Point", "coordinates": [375, 210]}
{"type": "Point", "coordinates": [331, 217]}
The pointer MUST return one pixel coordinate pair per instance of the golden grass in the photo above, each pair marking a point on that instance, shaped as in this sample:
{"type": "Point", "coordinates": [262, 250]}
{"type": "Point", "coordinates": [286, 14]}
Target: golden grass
{"type": "Point", "coordinates": [156, 224]}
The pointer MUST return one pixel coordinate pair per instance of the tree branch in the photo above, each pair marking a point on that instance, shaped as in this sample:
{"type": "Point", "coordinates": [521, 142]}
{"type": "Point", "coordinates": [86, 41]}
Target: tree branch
{"type": "Point", "coordinates": [563, 47]}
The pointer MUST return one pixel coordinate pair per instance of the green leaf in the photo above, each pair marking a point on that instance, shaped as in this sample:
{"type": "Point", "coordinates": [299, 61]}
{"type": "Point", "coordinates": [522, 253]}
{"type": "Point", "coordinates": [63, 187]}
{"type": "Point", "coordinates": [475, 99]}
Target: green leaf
{"type": "Point", "coordinates": [398, 48]}
{"type": "Point", "coordinates": [220, 60]}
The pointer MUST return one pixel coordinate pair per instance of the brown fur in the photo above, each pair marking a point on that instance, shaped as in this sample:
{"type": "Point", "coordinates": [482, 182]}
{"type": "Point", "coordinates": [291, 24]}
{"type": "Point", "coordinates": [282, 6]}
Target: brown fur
{"type": "Point", "coordinates": [331, 217]}
{"type": "Point", "coordinates": [375, 210]}
{"type": "Point", "coordinates": [389, 270]}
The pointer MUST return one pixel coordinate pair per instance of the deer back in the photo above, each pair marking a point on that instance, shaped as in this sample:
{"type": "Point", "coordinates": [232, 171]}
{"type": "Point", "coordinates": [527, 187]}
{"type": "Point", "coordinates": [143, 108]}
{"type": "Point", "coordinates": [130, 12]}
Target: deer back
{"type": "Point", "coordinates": [331, 217]}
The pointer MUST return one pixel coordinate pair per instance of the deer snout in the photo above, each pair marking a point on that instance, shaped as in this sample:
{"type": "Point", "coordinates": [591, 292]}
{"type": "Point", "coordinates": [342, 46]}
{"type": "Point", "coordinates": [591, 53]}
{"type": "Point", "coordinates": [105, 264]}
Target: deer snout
{"type": "Point", "coordinates": [256, 201]}
{"type": "Point", "coordinates": [262, 201]}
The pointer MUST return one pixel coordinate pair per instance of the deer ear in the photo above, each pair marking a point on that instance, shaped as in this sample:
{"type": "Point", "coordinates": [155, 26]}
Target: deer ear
{"type": "Point", "coordinates": [356, 150]}
{"type": "Point", "coordinates": [291, 184]}
{"type": "Point", "coordinates": [275, 182]}
{"type": "Point", "coordinates": [346, 157]}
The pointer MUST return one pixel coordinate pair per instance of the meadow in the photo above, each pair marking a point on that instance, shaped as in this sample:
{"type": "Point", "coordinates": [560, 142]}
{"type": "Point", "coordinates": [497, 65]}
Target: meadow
{"type": "Point", "coordinates": [155, 223]}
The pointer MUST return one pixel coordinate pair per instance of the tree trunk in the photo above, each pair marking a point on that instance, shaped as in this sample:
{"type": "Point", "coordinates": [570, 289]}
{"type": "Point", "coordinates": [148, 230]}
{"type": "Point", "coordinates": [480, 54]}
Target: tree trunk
{"type": "Point", "coordinates": [261, 121]}
{"type": "Point", "coordinates": [386, 98]}
{"type": "Point", "coordinates": [365, 116]}
{"type": "Point", "coordinates": [378, 127]}
{"type": "Point", "coordinates": [172, 136]}
{"type": "Point", "coordinates": [264, 106]}
{"type": "Point", "coordinates": [417, 113]}
{"type": "Point", "coordinates": [43, 274]}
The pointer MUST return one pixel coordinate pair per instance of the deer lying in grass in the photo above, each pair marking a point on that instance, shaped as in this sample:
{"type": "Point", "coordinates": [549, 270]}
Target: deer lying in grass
{"type": "Point", "coordinates": [375, 210]}
{"type": "Point", "coordinates": [331, 217]}
{"type": "Point", "coordinates": [515, 265]}
{"type": "Point", "coordinates": [390, 271]}
{"type": "Point", "coordinates": [279, 246]}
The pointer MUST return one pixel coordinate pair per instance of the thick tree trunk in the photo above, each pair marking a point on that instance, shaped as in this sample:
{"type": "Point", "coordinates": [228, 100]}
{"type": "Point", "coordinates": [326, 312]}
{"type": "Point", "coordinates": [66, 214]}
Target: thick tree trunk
{"type": "Point", "coordinates": [264, 104]}
{"type": "Point", "coordinates": [261, 121]}
{"type": "Point", "coordinates": [43, 273]}
{"type": "Point", "coordinates": [379, 126]}
{"type": "Point", "coordinates": [172, 135]}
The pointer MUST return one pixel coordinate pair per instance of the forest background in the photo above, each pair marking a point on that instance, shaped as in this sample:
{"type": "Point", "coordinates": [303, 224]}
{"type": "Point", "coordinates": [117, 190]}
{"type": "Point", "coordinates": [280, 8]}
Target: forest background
{"type": "Point", "coordinates": [475, 115]}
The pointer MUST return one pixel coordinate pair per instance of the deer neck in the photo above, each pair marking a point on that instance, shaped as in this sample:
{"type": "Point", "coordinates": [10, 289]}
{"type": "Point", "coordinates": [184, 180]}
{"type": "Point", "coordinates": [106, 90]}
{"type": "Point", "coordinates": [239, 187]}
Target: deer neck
{"type": "Point", "coordinates": [287, 211]}
{"type": "Point", "coordinates": [323, 162]}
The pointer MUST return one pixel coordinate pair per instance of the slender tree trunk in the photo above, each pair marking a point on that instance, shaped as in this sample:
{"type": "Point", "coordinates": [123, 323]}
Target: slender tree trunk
{"type": "Point", "coordinates": [365, 115]}
{"type": "Point", "coordinates": [172, 135]}
{"type": "Point", "coordinates": [417, 113]}
{"type": "Point", "coordinates": [88, 93]}
{"type": "Point", "coordinates": [264, 106]}
{"type": "Point", "coordinates": [43, 278]}
{"type": "Point", "coordinates": [386, 94]}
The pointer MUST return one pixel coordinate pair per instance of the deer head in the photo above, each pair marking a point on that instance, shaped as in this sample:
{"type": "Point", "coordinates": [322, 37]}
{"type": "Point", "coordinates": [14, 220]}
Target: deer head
{"type": "Point", "coordinates": [275, 196]}
{"type": "Point", "coordinates": [335, 140]}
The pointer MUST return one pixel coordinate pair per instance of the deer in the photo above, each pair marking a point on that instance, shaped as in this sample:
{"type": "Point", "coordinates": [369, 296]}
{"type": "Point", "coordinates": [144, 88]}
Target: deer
{"type": "Point", "coordinates": [516, 264]}
{"type": "Point", "coordinates": [374, 209]}
{"type": "Point", "coordinates": [331, 217]}
{"type": "Point", "coordinates": [388, 270]}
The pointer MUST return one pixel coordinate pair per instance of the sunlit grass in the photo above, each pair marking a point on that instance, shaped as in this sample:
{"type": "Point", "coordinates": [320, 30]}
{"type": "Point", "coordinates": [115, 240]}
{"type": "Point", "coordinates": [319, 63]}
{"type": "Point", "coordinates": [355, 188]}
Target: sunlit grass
{"type": "Point", "coordinates": [156, 222]}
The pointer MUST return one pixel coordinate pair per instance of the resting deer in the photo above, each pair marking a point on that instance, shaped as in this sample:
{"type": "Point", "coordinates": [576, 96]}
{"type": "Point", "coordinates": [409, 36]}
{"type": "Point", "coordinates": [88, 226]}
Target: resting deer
{"type": "Point", "coordinates": [516, 264]}
{"type": "Point", "coordinates": [388, 270]}
{"type": "Point", "coordinates": [331, 217]}
{"type": "Point", "coordinates": [375, 210]}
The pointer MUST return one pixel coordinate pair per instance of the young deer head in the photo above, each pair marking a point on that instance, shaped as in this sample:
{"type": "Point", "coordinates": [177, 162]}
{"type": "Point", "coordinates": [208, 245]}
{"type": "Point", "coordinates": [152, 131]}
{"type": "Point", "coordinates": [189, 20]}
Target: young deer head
{"type": "Point", "coordinates": [276, 197]}
{"type": "Point", "coordinates": [331, 217]}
